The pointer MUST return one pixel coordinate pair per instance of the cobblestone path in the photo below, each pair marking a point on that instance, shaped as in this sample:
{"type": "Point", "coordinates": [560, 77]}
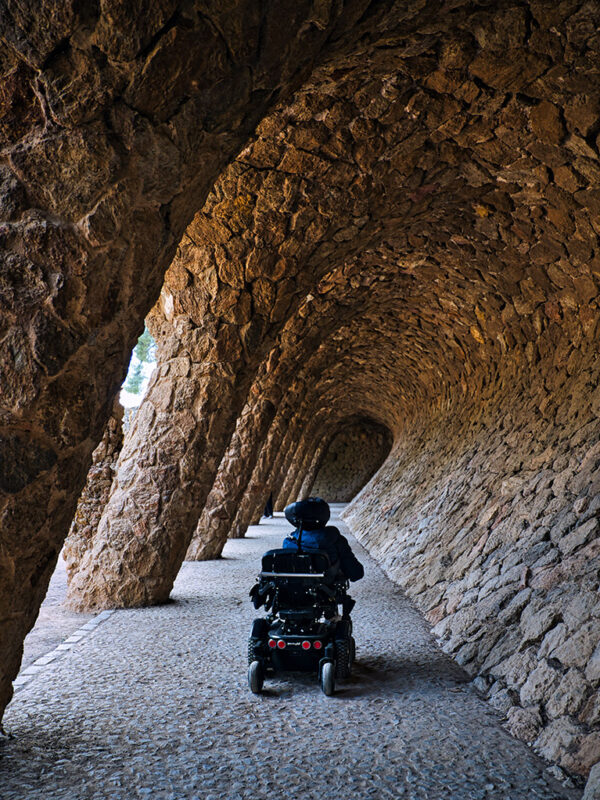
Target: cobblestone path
{"type": "Point", "coordinates": [153, 703]}
{"type": "Point", "coordinates": [55, 622]}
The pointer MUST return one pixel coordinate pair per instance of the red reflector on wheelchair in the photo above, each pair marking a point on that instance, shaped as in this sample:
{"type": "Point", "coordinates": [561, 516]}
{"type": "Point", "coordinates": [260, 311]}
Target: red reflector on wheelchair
{"type": "Point", "coordinates": [306, 645]}
{"type": "Point", "coordinates": [281, 644]}
{"type": "Point", "coordinates": [272, 643]}
{"type": "Point", "coordinates": [318, 645]}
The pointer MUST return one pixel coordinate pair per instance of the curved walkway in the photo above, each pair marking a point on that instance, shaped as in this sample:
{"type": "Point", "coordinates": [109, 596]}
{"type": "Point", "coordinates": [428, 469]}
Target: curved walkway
{"type": "Point", "coordinates": [153, 703]}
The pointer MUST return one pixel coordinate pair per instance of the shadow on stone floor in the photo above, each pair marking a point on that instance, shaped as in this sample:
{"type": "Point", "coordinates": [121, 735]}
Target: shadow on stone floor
{"type": "Point", "coordinates": [376, 677]}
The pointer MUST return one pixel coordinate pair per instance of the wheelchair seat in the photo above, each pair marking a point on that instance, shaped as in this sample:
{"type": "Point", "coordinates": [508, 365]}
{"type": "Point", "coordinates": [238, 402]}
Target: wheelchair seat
{"type": "Point", "coordinates": [299, 584]}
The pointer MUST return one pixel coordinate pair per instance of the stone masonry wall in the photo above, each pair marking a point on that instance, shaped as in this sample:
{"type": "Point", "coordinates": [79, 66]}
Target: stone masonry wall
{"type": "Point", "coordinates": [352, 458]}
{"type": "Point", "coordinates": [488, 516]}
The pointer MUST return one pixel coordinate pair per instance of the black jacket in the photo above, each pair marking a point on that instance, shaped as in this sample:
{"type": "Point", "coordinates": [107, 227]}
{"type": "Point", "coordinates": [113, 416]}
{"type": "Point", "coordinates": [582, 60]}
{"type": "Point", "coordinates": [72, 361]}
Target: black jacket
{"type": "Point", "coordinates": [331, 541]}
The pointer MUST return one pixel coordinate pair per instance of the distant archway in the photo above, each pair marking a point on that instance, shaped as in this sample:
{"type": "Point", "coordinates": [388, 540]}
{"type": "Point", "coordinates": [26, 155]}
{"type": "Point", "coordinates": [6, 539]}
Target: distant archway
{"type": "Point", "coordinates": [354, 455]}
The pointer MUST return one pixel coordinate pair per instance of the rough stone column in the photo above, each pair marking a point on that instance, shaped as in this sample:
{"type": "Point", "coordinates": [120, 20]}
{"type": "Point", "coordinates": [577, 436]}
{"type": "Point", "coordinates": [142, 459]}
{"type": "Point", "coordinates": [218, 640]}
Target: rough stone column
{"type": "Point", "coordinates": [263, 480]}
{"type": "Point", "coordinates": [311, 449]}
{"type": "Point", "coordinates": [95, 492]}
{"type": "Point", "coordinates": [314, 466]}
{"type": "Point", "coordinates": [237, 467]}
{"type": "Point", "coordinates": [285, 457]}
{"type": "Point", "coordinates": [234, 473]}
{"type": "Point", "coordinates": [300, 457]}
{"type": "Point", "coordinates": [165, 472]}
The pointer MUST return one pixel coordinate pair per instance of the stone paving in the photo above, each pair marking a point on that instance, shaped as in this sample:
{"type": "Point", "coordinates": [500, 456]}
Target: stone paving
{"type": "Point", "coordinates": [55, 623]}
{"type": "Point", "coordinates": [153, 703]}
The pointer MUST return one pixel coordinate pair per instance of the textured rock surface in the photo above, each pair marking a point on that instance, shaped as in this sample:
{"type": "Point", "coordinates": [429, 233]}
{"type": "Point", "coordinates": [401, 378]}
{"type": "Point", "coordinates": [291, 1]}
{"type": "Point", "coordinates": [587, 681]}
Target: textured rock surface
{"type": "Point", "coordinates": [95, 492]}
{"type": "Point", "coordinates": [352, 458]}
{"type": "Point", "coordinates": [112, 133]}
{"type": "Point", "coordinates": [488, 515]}
{"type": "Point", "coordinates": [592, 787]}
{"type": "Point", "coordinates": [429, 163]}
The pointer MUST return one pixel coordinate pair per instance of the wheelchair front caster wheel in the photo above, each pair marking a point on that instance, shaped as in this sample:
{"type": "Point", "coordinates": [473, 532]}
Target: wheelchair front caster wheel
{"type": "Point", "coordinates": [328, 678]}
{"type": "Point", "coordinates": [256, 677]}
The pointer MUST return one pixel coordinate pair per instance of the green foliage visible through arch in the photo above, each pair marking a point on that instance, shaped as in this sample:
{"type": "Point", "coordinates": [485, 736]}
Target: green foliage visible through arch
{"type": "Point", "coordinates": [143, 353]}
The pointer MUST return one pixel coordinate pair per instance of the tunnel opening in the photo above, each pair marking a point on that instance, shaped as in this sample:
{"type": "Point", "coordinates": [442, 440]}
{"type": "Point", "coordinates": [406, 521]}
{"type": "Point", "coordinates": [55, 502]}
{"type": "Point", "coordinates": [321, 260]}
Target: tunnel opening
{"type": "Point", "coordinates": [352, 458]}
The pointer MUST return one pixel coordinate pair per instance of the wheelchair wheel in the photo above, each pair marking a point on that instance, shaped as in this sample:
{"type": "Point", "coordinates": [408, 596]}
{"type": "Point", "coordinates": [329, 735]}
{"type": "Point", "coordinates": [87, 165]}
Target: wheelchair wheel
{"type": "Point", "coordinates": [328, 678]}
{"type": "Point", "coordinates": [256, 677]}
{"type": "Point", "coordinates": [343, 661]}
{"type": "Point", "coordinates": [254, 650]}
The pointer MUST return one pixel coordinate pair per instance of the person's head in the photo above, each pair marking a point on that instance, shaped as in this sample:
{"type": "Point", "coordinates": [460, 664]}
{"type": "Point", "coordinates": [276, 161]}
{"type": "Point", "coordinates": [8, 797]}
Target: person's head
{"type": "Point", "coordinates": [310, 514]}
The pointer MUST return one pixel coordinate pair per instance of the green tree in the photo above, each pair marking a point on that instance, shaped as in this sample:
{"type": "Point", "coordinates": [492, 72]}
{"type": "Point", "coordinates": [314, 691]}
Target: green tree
{"type": "Point", "coordinates": [143, 353]}
{"type": "Point", "coordinates": [145, 349]}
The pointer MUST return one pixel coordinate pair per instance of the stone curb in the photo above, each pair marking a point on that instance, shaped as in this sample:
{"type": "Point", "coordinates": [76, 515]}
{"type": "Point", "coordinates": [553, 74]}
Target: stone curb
{"type": "Point", "coordinates": [24, 677]}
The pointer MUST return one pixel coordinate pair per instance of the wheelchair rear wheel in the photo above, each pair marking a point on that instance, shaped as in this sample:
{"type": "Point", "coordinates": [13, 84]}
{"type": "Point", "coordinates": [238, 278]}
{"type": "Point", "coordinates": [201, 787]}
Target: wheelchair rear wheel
{"type": "Point", "coordinates": [256, 677]}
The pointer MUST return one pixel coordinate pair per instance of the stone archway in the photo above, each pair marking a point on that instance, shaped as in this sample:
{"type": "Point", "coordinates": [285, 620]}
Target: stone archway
{"type": "Point", "coordinates": [352, 458]}
{"type": "Point", "coordinates": [126, 129]}
{"type": "Point", "coordinates": [431, 185]}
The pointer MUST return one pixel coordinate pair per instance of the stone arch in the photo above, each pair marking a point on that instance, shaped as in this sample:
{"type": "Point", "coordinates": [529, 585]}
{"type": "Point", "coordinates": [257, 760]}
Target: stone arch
{"type": "Point", "coordinates": [354, 455]}
{"type": "Point", "coordinates": [450, 153]}
{"type": "Point", "coordinates": [126, 128]}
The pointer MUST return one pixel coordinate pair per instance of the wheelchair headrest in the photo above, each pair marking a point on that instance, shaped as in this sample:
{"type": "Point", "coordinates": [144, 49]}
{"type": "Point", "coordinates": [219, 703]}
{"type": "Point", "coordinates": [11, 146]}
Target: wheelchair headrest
{"type": "Point", "coordinates": [310, 514]}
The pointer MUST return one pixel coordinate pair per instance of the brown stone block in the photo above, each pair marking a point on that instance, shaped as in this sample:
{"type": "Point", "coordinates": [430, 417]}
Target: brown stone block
{"type": "Point", "coordinates": [582, 113]}
{"type": "Point", "coordinates": [585, 288]}
{"type": "Point", "coordinates": [20, 110]}
{"type": "Point", "coordinates": [182, 62]}
{"type": "Point", "coordinates": [546, 123]}
{"type": "Point", "coordinates": [558, 738]}
{"type": "Point", "coordinates": [511, 71]}
{"type": "Point", "coordinates": [589, 169]}
{"type": "Point", "coordinates": [590, 713]}
{"type": "Point", "coordinates": [35, 31]}
{"type": "Point", "coordinates": [552, 156]}
{"type": "Point", "coordinates": [584, 755]}
{"type": "Point", "coordinates": [568, 695]}
{"type": "Point", "coordinates": [67, 171]}
{"type": "Point", "coordinates": [589, 320]}
{"type": "Point", "coordinates": [123, 30]}
{"type": "Point", "coordinates": [524, 723]}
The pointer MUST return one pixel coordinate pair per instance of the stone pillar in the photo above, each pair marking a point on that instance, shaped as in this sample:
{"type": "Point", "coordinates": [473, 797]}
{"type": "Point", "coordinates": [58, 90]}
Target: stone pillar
{"type": "Point", "coordinates": [314, 466]}
{"type": "Point", "coordinates": [238, 480]}
{"type": "Point", "coordinates": [286, 456]}
{"type": "Point", "coordinates": [232, 479]}
{"type": "Point", "coordinates": [165, 472]}
{"type": "Point", "coordinates": [264, 478]}
{"type": "Point", "coordinates": [299, 457]}
{"type": "Point", "coordinates": [304, 467]}
{"type": "Point", "coordinates": [95, 492]}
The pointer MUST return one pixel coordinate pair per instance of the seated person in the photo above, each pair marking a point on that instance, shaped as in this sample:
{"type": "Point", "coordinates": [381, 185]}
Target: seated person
{"type": "Point", "coordinates": [310, 517]}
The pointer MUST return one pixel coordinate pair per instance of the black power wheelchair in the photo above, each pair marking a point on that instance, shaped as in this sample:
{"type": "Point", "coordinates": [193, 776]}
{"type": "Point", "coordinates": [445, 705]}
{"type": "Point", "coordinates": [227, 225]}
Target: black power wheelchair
{"type": "Point", "coordinates": [304, 631]}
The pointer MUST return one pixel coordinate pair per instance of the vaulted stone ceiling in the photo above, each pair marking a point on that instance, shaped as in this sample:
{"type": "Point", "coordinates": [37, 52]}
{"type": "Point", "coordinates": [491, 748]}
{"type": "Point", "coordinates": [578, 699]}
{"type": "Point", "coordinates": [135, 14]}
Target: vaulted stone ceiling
{"type": "Point", "coordinates": [384, 209]}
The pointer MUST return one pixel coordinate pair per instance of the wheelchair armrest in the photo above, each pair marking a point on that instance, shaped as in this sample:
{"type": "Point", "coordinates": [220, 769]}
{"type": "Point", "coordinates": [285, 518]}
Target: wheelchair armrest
{"type": "Point", "coordinates": [260, 593]}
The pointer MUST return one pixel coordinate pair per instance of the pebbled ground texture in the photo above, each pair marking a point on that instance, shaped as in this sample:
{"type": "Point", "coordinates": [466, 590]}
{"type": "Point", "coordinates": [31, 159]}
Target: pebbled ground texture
{"type": "Point", "coordinates": [154, 703]}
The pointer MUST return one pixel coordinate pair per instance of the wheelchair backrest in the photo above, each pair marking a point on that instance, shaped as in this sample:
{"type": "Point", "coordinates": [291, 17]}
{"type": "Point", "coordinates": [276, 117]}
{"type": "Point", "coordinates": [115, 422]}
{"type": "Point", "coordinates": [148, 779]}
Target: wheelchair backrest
{"type": "Point", "coordinates": [287, 563]}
